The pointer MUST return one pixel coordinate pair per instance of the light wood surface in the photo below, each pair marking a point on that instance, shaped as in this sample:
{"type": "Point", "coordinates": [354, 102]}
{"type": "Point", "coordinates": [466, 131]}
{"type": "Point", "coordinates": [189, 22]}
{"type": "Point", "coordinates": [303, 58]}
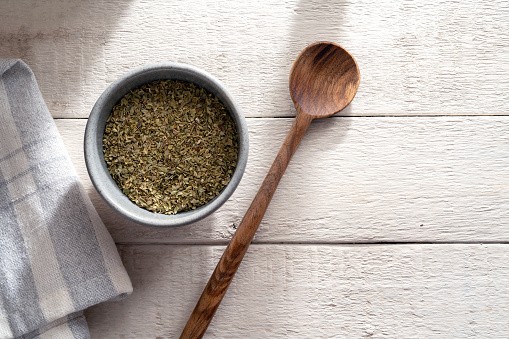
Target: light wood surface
{"type": "Point", "coordinates": [317, 291]}
{"type": "Point", "coordinates": [416, 58]}
{"type": "Point", "coordinates": [405, 179]}
{"type": "Point", "coordinates": [419, 162]}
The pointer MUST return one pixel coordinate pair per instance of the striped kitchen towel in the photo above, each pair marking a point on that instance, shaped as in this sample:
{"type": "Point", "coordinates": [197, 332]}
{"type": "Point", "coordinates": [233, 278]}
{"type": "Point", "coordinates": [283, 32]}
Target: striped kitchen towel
{"type": "Point", "coordinates": [56, 256]}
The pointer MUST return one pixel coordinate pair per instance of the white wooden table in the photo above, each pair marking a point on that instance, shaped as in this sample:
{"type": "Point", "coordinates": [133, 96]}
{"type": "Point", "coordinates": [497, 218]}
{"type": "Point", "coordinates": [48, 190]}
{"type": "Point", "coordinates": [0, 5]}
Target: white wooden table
{"type": "Point", "coordinates": [392, 219]}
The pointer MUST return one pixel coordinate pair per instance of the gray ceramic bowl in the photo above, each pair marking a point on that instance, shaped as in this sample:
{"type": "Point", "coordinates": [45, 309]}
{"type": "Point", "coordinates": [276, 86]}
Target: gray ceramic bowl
{"type": "Point", "coordinates": [96, 165]}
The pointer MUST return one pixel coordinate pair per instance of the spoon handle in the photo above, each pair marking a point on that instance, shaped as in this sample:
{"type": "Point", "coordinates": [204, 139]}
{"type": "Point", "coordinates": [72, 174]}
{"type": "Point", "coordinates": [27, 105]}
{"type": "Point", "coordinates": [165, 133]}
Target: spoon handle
{"type": "Point", "coordinates": [234, 252]}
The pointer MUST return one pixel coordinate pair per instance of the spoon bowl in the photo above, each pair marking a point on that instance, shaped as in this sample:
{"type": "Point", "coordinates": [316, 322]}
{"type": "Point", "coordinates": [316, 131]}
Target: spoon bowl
{"type": "Point", "coordinates": [324, 79]}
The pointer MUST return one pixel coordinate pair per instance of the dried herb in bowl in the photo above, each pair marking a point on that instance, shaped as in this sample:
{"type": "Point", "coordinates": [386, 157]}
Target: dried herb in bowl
{"type": "Point", "coordinates": [170, 146]}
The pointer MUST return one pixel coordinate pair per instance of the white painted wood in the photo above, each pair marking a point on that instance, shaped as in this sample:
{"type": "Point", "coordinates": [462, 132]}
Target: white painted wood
{"type": "Point", "coordinates": [308, 291]}
{"type": "Point", "coordinates": [412, 179]}
{"type": "Point", "coordinates": [416, 57]}
{"type": "Point", "coordinates": [417, 176]}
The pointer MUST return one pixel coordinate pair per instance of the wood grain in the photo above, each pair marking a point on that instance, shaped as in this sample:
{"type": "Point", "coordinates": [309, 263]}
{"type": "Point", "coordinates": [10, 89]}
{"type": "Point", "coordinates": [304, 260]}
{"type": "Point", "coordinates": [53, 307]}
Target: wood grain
{"type": "Point", "coordinates": [415, 179]}
{"type": "Point", "coordinates": [317, 291]}
{"type": "Point", "coordinates": [422, 159]}
{"type": "Point", "coordinates": [416, 58]}
{"type": "Point", "coordinates": [323, 80]}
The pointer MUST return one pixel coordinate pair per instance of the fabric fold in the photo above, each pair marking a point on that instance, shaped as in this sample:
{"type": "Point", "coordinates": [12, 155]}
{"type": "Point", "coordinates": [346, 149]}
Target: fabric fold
{"type": "Point", "coordinates": [56, 256]}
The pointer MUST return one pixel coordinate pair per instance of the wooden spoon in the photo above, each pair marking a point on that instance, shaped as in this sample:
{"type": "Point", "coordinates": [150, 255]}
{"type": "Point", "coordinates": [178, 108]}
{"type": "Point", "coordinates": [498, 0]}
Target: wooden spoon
{"type": "Point", "coordinates": [323, 81]}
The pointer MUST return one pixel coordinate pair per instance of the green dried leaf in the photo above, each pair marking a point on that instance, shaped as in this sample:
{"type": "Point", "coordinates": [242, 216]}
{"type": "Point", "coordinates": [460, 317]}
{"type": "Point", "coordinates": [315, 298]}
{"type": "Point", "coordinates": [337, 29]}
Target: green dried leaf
{"type": "Point", "coordinates": [171, 146]}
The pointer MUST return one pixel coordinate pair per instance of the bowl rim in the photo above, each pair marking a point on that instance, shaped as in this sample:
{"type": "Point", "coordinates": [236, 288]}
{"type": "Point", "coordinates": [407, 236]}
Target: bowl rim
{"type": "Point", "coordinates": [96, 165]}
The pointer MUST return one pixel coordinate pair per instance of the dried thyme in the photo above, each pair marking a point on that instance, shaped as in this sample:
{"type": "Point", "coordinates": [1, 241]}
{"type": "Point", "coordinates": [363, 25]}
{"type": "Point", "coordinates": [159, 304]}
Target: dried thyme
{"type": "Point", "coordinates": [170, 146]}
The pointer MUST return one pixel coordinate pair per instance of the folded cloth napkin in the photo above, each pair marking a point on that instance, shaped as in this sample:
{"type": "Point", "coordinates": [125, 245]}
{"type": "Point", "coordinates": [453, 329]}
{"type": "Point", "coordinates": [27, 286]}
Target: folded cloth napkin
{"type": "Point", "coordinates": [56, 256]}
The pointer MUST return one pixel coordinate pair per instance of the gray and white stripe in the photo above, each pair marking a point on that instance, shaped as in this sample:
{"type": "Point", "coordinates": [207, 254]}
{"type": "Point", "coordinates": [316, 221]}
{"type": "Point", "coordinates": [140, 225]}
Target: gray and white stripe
{"type": "Point", "coordinates": [56, 256]}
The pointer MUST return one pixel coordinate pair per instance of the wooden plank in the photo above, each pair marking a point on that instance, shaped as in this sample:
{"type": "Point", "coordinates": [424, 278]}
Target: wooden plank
{"type": "Point", "coordinates": [307, 291]}
{"type": "Point", "coordinates": [413, 179]}
{"type": "Point", "coordinates": [416, 58]}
